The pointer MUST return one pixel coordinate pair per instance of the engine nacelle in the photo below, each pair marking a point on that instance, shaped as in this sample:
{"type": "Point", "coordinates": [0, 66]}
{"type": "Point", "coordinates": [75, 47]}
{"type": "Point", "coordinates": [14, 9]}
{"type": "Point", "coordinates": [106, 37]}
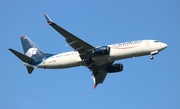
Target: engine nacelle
{"type": "Point", "coordinates": [102, 50]}
{"type": "Point", "coordinates": [114, 68]}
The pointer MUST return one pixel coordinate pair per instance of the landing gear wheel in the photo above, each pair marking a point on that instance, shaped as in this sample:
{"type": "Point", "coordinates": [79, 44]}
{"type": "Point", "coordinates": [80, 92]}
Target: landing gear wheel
{"type": "Point", "coordinates": [151, 57]}
{"type": "Point", "coordinates": [88, 60]}
{"type": "Point", "coordinates": [95, 72]}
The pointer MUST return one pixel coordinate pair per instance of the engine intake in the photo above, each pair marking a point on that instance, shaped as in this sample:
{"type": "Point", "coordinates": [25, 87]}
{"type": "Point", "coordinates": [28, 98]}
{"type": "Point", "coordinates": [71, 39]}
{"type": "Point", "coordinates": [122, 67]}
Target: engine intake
{"type": "Point", "coordinates": [102, 50]}
{"type": "Point", "coordinates": [114, 68]}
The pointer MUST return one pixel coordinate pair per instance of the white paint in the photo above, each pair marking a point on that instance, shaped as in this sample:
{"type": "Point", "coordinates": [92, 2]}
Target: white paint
{"type": "Point", "coordinates": [31, 52]}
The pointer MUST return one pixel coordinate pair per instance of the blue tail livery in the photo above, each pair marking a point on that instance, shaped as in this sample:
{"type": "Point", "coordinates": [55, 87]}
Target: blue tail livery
{"type": "Point", "coordinates": [32, 54]}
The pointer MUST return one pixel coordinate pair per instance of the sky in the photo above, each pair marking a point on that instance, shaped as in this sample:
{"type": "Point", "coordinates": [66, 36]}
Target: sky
{"type": "Point", "coordinates": [144, 83]}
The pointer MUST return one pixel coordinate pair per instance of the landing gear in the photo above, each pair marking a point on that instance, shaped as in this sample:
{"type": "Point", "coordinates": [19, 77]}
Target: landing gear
{"type": "Point", "coordinates": [151, 57]}
{"type": "Point", "coordinates": [95, 72]}
{"type": "Point", "coordinates": [88, 60]}
{"type": "Point", "coordinates": [153, 53]}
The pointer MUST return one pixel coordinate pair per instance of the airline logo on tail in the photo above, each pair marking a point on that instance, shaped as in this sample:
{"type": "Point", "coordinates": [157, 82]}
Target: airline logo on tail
{"type": "Point", "coordinates": [31, 52]}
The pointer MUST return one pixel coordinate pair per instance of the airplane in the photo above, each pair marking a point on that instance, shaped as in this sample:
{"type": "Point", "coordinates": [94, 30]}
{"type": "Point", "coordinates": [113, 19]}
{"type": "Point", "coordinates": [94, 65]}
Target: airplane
{"type": "Point", "coordinates": [98, 59]}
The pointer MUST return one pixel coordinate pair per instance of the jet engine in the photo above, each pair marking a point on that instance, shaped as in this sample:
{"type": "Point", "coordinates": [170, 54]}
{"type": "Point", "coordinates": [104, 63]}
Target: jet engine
{"type": "Point", "coordinates": [114, 68]}
{"type": "Point", "coordinates": [102, 50]}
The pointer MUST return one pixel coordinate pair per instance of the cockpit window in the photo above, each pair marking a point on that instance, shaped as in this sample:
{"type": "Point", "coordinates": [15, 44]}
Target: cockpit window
{"type": "Point", "coordinates": [156, 41]}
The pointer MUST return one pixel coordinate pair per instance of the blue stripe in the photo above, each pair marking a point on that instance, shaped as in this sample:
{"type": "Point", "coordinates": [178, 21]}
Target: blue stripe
{"type": "Point", "coordinates": [36, 63]}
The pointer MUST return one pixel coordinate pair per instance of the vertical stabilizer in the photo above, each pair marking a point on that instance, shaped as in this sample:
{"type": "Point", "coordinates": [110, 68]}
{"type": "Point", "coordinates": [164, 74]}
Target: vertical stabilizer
{"type": "Point", "coordinates": [30, 49]}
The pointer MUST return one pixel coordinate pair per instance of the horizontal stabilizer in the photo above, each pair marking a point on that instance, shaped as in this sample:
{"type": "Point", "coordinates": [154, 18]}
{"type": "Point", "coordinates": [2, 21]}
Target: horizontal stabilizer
{"type": "Point", "coordinates": [21, 56]}
{"type": "Point", "coordinates": [29, 69]}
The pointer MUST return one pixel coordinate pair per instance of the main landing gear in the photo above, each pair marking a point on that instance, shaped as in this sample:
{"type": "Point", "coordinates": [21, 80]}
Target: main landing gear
{"type": "Point", "coordinates": [88, 60]}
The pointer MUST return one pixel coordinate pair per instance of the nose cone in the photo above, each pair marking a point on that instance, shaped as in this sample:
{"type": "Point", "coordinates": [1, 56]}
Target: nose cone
{"type": "Point", "coordinates": [163, 46]}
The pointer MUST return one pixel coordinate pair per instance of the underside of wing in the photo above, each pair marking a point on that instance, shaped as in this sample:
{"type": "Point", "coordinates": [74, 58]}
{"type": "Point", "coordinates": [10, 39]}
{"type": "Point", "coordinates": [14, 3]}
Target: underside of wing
{"type": "Point", "coordinates": [100, 71]}
{"type": "Point", "coordinates": [98, 77]}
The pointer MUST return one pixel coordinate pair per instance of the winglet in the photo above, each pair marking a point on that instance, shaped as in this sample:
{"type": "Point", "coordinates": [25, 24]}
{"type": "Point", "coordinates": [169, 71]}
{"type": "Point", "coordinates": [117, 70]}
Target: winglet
{"type": "Point", "coordinates": [94, 80]}
{"type": "Point", "coordinates": [49, 21]}
{"type": "Point", "coordinates": [95, 86]}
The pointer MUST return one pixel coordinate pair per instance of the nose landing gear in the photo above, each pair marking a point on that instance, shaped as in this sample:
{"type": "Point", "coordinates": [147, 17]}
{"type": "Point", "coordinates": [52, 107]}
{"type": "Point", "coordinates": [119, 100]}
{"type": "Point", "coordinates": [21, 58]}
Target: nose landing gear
{"type": "Point", "coordinates": [151, 57]}
{"type": "Point", "coordinates": [153, 53]}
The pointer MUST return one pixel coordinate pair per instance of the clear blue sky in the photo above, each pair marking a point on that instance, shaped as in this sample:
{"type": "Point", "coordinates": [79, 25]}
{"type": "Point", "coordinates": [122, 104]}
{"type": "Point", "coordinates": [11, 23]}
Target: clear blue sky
{"type": "Point", "coordinates": [144, 83]}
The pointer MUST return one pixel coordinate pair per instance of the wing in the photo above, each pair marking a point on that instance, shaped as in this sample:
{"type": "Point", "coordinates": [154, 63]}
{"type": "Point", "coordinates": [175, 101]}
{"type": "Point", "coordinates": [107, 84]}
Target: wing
{"type": "Point", "coordinates": [76, 43]}
{"type": "Point", "coordinates": [98, 77]}
{"type": "Point", "coordinates": [85, 51]}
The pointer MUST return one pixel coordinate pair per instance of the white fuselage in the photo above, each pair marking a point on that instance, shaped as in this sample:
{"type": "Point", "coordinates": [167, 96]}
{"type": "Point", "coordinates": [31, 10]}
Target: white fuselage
{"type": "Point", "coordinates": [117, 52]}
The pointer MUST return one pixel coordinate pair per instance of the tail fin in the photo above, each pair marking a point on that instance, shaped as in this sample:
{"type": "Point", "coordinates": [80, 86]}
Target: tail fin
{"type": "Point", "coordinates": [32, 54]}
{"type": "Point", "coordinates": [30, 49]}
